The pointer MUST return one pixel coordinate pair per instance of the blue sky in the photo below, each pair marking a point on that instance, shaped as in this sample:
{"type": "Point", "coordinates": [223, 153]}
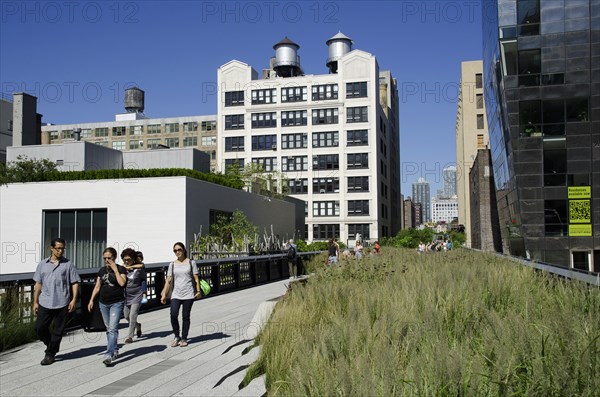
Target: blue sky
{"type": "Point", "coordinates": [78, 57]}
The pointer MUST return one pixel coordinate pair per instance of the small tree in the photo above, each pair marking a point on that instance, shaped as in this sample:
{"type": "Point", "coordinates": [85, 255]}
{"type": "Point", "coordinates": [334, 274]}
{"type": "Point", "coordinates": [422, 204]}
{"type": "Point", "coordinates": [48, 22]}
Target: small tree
{"type": "Point", "coordinates": [25, 170]}
{"type": "Point", "coordinates": [234, 227]}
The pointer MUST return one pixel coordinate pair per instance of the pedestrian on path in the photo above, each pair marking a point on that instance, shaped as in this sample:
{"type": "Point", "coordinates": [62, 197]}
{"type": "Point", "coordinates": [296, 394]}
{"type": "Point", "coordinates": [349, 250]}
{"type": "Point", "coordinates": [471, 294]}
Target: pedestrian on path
{"type": "Point", "coordinates": [134, 292]}
{"type": "Point", "coordinates": [184, 285]}
{"type": "Point", "coordinates": [333, 252]}
{"type": "Point", "coordinates": [110, 285]}
{"type": "Point", "coordinates": [291, 250]}
{"type": "Point", "coordinates": [54, 296]}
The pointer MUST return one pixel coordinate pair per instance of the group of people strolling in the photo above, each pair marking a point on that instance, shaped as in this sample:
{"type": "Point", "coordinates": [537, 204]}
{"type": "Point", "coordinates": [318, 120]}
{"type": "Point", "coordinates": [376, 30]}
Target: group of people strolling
{"type": "Point", "coordinates": [121, 290]}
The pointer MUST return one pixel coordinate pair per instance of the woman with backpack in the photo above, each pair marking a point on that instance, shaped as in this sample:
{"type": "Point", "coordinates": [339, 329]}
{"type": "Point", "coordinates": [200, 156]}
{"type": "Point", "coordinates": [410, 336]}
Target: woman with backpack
{"type": "Point", "coordinates": [292, 258]}
{"type": "Point", "coordinates": [184, 285]}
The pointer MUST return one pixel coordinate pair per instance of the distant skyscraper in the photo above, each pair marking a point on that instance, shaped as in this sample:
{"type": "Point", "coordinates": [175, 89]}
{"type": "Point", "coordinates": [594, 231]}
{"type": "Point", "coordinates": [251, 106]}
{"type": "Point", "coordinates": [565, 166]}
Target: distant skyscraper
{"type": "Point", "coordinates": [421, 194]}
{"type": "Point", "coordinates": [449, 181]}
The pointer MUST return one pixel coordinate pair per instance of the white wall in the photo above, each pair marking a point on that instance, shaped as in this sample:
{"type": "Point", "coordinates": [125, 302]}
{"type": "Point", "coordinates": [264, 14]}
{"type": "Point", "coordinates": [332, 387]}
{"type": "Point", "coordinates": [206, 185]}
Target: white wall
{"type": "Point", "coordinates": [148, 214]}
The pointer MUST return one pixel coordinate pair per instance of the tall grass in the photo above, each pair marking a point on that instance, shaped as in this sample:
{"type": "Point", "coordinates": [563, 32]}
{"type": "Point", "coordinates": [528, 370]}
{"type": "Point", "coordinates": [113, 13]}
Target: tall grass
{"type": "Point", "coordinates": [457, 323]}
{"type": "Point", "coordinates": [15, 329]}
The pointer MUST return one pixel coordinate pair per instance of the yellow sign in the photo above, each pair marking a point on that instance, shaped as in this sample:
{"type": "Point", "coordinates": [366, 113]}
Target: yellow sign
{"type": "Point", "coordinates": [580, 192]}
{"type": "Point", "coordinates": [580, 211]}
{"type": "Point", "coordinates": [580, 230]}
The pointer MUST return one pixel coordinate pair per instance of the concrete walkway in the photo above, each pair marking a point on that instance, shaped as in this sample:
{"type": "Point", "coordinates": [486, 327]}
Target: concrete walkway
{"type": "Point", "coordinates": [212, 365]}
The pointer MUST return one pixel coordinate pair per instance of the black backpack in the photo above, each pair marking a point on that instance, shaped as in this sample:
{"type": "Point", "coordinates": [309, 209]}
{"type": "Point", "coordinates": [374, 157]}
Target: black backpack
{"type": "Point", "coordinates": [291, 254]}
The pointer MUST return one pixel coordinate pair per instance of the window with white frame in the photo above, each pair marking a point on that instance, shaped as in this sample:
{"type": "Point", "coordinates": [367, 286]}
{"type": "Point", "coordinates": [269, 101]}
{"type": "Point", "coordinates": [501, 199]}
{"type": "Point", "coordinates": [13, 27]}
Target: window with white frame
{"type": "Point", "coordinates": [358, 160]}
{"type": "Point", "coordinates": [325, 139]}
{"type": "Point", "coordinates": [326, 162]}
{"type": "Point", "coordinates": [356, 90]}
{"type": "Point", "coordinates": [264, 142]}
{"type": "Point", "coordinates": [298, 186]}
{"type": "Point", "coordinates": [324, 92]}
{"type": "Point", "coordinates": [294, 141]}
{"type": "Point", "coordinates": [136, 130]}
{"type": "Point", "coordinates": [234, 122]}
{"type": "Point", "coordinates": [118, 145]}
{"type": "Point", "coordinates": [292, 118]}
{"type": "Point", "coordinates": [171, 128]}
{"type": "Point", "coordinates": [326, 208]}
{"type": "Point", "coordinates": [118, 131]}
{"type": "Point", "coordinates": [269, 164]}
{"type": "Point", "coordinates": [357, 184]}
{"type": "Point", "coordinates": [359, 228]}
{"type": "Point", "coordinates": [293, 94]}
{"type": "Point", "coordinates": [153, 143]}
{"type": "Point", "coordinates": [86, 133]}
{"type": "Point", "coordinates": [264, 96]}
{"type": "Point", "coordinates": [358, 207]}
{"type": "Point", "coordinates": [209, 141]}
{"type": "Point", "coordinates": [325, 116]}
{"type": "Point", "coordinates": [135, 144]}
{"type": "Point", "coordinates": [357, 137]}
{"type": "Point", "coordinates": [191, 126]}
{"type": "Point", "coordinates": [264, 120]}
{"type": "Point", "coordinates": [326, 185]}
{"type": "Point", "coordinates": [153, 129]}
{"type": "Point", "coordinates": [101, 132]}
{"type": "Point", "coordinates": [172, 142]}
{"type": "Point", "coordinates": [325, 232]}
{"type": "Point", "coordinates": [190, 141]}
{"type": "Point", "coordinates": [234, 98]}
{"type": "Point", "coordinates": [358, 114]}
{"type": "Point", "coordinates": [294, 163]}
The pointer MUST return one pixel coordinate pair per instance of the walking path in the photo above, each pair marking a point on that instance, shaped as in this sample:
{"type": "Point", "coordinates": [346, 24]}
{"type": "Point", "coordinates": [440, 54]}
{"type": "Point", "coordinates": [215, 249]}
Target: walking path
{"type": "Point", "coordinates": [212, 365]}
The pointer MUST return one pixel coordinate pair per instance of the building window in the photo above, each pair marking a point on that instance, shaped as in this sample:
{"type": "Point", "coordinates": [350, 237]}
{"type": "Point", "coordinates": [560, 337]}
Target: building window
{"type": "Point", "coordinates": [264, 120]}
{"type": "Point", "coordinates": [556, 222]}
{"type": "Point", "coordinates": [325, 232]}
{"type": "Point", "coordinates": [555, 161]}
{"type": "Point", "coordinates": [67, 134]}
{"type": "Point", "coordinates": [356, 90]}
{"type": "Point", "coordinates": [326, 208]}
{"type": "Point", "coordinates": [153, 129]}
{"type": "Point", "coordinates": [324, 92]}
{"type": "Point", "coordinates": [530, 67]}
{"type": "Point", "coordinates": [359, 229]}
{"type": "Point", "coordinates": [528, 17]}
{"type": "Point", "coordinates": [480, 142]}
{"type": "Point", "coordinates": [325, 116]}
{"type": "Point", "coordinates": [133, 144]}
{"type": "Point", "coordinates": [298, 186]}
{"type": "Point", "coordinates": [101, 132]}
{"type": "Point", "coordinates": [264, 142]}
{"type": "Point", "coordinates": [86, 133]}
{"type": "Point", "coordinates": [190, 141]}
{"type": "Point", "coordinates": [118, 131]}
{"type": "Point", "coordinates": [479, 101]}
{"type": "Point", "coordinates": [209, 126]}
{"type": "Point", "coordinates": [357, 137]}
{"type": "Point", "coordinates": [55, 135]}
{"type": "Point", "coordinates": [357, 184]}
{"type": "Point", "coordinates": [293, 94]}
{"type": "Point", "coordinates": [264, 96]}
{"type": "Point", "coordinates": [294, 163]}
{"type": "Point", "coordinates": [358, 160]}
{"type": "Point", "coordinates": [136, 130]}
{"type": "Point", "coordinates": [326, 162]}
{"type": "Point", "coordinates": [358, 207]}
{"type": "Point", "coordinates": [269, 164]}
{"type": "Point", "coordinates": [234, 122]}
{"type": "Point", "coordinates": [326, 185]}
{"type": "Point", "coordinates": [84, 231]}
{"type": "Point", "coordinates": [293, 118]}
{"type": "Point", "coordinates": [172, 142]}
{"type": "Point", "coordinates": [171, 128]}
{"type": "Point", "coordinates": [234, 98]}
{"type": "Point", "coordinates": [480, 121]}
{"type": "Point", "coordinates": [325, 139]}
{"type": "Point", "coordinates": [294, 141]}
{"type": "Point", "coordinates": [237, 163]}
{"type": "Point", "coordinates": [357, 114]}
{"type": "Point", "coordinates": [234, 144]}
{"type": "Point", "coordinates": [478, 80]}
{"type": "Point", "coordinates": [153, 143]}
{"type": "Point", "coordinates": [209, 141]}
{"type": "Point", "coordinates": [118, 145]}
{"type": "Point", "coordinates": [190, 127]}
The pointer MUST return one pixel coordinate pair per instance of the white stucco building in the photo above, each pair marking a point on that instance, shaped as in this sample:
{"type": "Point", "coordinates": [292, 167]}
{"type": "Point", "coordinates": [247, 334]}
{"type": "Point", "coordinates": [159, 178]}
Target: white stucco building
{"type": "Point", "coordinates": [333, 136]}
{"type": "Point", "coordinates": [444, 209]}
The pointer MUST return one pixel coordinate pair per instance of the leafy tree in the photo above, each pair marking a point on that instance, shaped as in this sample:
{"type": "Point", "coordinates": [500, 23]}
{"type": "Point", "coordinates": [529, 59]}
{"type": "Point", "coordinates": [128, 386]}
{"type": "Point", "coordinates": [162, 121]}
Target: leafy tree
{"type": "Point", "coordinates": [26, 170]}
{"type": "Point", "coordinates": [234, 227]}
{"type": "Point", "coordinates": [409, 238]}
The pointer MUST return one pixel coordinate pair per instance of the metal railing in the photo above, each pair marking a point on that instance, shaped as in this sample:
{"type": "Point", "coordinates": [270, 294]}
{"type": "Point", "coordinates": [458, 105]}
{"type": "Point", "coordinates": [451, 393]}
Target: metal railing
{"type": "Point", "coordinates": [224, 275]}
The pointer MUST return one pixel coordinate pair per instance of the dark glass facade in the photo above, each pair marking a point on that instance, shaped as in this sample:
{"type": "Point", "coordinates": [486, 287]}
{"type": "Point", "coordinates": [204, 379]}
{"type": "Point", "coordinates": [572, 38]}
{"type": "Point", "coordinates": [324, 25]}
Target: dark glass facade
{"type": "Point", "coordinates": [541, 63]}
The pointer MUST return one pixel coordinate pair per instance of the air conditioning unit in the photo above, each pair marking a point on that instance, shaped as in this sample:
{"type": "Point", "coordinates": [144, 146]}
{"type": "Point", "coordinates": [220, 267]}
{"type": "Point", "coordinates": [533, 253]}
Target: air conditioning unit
{"type": "Point", "coordinates": [336, 143]}
{"type": "Point", "coordinates": [274, 147]}
{"type": "Point", "coordinates": [322, 191]}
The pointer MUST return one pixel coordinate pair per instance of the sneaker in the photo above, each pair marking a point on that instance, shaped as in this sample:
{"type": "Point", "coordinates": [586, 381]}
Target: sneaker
{"type": "Point", "coordinates": [144, 300]}
{"type": "Point", "coordinates": [175, 342]}
{"type": "Point", "coordinates": [107, 361]}
{"type": "Point", "coordinates": [138, 329]}
{"type": "Point", "coordinates": [128, 340]}
{"type": "Point", "coordinates": [48, 359]}
{"type": "Point", "coordinates": [183, 343]}
{"type": "Point", "coordinates": [115, 355]}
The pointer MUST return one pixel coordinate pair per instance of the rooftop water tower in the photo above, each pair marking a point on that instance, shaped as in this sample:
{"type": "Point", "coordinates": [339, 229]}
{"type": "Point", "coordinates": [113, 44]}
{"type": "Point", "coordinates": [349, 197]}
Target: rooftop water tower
{"type": "Point", "coordinates": [339, 45]}
{"type": "Point", "coordinates": [287, 61]}
{"type": "Point", "coordinates": [134, 100]}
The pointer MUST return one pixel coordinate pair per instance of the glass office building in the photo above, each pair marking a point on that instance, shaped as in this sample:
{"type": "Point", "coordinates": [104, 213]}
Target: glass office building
{"type": "Point", "coordinates": [542, 92]}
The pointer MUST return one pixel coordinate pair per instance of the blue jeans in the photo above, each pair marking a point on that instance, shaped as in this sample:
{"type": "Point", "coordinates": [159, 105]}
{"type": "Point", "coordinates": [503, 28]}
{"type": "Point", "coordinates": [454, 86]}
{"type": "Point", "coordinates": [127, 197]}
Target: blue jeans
{"type": "Point", "coordinates": [187, 309]}
{"type": "Point", "coordinates": [111, 314]}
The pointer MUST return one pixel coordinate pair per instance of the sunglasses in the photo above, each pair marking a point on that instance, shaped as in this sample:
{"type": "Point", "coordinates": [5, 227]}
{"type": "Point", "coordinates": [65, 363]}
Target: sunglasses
{"type": "Point", "coordinates": [127, 260]}
{"type": "Point", "coordinates": [176, 250]}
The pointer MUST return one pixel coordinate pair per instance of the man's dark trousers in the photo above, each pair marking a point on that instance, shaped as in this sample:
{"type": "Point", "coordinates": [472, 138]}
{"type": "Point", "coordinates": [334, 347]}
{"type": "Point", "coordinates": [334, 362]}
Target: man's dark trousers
{"type": "Point", "coordinates": [42, 327]}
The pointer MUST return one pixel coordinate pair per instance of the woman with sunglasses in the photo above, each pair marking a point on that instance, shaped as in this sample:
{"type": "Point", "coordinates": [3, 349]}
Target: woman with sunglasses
{"type": "Point", "coordinates": [110, 285]}
{"type": "Point", "coordinates": [184, 273]}
{"type": "Point", "coordinates": [134, 292]}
